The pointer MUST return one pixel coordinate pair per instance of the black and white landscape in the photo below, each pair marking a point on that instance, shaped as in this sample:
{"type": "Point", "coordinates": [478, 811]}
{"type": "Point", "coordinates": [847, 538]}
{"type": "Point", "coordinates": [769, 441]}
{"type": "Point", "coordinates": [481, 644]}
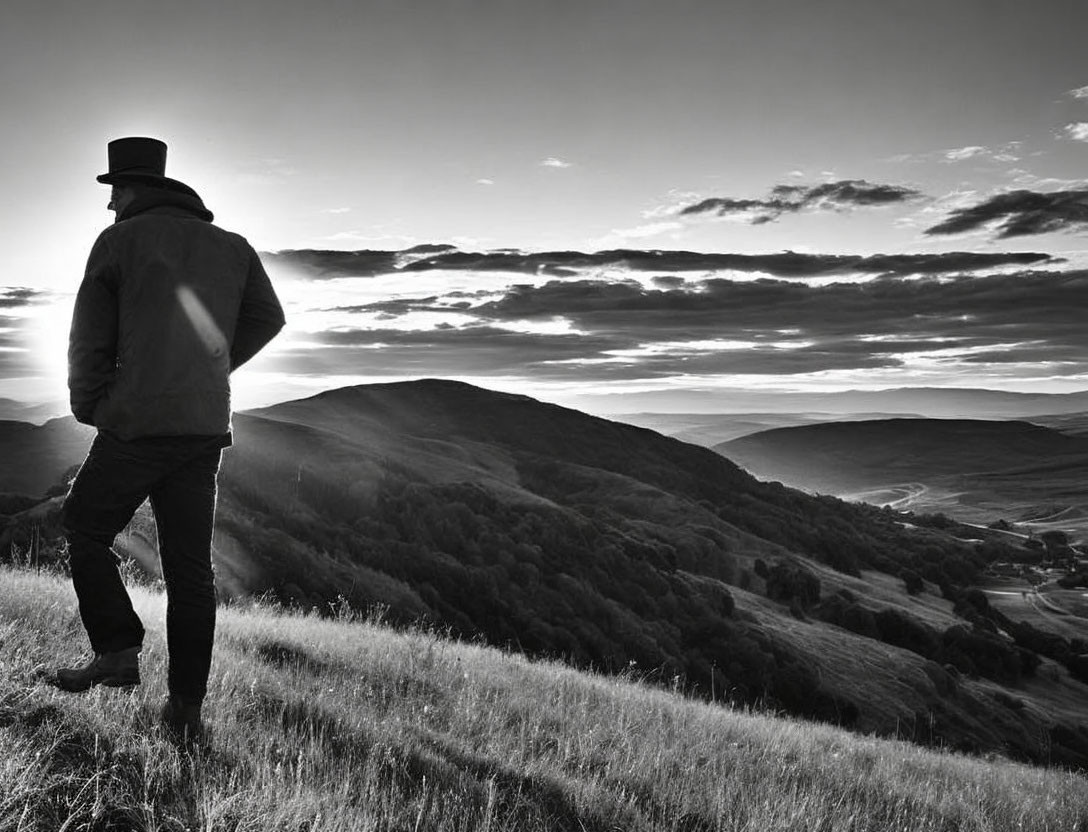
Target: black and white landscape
{"type": "Point", "coordinates": [680, 423]}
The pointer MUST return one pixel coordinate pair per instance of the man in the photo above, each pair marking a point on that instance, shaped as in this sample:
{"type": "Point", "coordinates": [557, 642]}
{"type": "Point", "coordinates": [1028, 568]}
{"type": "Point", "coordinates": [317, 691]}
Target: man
{"type": "Point", "coordinates": [169, 306]}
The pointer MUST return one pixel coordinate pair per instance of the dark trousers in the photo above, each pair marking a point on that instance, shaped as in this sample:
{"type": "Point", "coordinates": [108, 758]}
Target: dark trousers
{"type": "Point", "coordinates": [178, 475]}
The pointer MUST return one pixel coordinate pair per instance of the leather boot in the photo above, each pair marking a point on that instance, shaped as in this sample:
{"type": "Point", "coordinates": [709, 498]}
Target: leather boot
{"type": "Point", "coordinates": [182, 723]}
{"type": "Point", "coordinates": [116, 670]}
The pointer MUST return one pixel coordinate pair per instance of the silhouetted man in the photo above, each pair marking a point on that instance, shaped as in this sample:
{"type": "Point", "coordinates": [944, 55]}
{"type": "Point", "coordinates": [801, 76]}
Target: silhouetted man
{"type": "Point", "coordinates": [169, 306]}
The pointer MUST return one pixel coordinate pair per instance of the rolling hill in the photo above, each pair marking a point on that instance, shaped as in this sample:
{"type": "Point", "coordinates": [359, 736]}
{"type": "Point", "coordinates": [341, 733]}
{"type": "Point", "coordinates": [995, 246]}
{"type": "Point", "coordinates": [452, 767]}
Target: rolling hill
{"type": "Point", "coordinates": [36, 456]}
{"type": "Point", "coordinates": [1074, 424]}
{"type": "Point", "coordinates": [971, 469]}
{"type": "Point", "coordinates": [558, 534]}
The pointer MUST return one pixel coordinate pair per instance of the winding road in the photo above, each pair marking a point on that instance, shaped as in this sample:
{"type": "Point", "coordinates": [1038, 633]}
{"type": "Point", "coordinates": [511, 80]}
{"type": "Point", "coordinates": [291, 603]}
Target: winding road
{"type": "Point", "coordinates": [899, 497]}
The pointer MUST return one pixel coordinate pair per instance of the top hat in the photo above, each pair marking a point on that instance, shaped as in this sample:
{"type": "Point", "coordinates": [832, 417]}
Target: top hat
{"type": "Point", "coordinates": [139, 160]}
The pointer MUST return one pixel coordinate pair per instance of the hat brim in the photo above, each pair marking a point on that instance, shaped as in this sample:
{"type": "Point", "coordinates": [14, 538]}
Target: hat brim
{"type": "Point", "coordinates": [149, 179]}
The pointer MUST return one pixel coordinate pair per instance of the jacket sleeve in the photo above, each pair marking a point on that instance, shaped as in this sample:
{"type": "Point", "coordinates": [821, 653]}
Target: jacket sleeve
{"type": "Point", "coordinates": [92, 340]}
{"type": "Point", "coordinates": [260, 316]}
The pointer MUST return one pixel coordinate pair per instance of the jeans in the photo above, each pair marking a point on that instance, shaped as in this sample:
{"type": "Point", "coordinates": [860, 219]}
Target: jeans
{"type": "Point", "coordinates": [178, 475]}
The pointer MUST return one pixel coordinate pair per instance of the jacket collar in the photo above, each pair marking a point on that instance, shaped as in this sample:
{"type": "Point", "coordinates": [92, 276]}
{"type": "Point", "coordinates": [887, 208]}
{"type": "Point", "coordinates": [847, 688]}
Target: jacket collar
{"type": "Point", "coordinates": [162, 201]}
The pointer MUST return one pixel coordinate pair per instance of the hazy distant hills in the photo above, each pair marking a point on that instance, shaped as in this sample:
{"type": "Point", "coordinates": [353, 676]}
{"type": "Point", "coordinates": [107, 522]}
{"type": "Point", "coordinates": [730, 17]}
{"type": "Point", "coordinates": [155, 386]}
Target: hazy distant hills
{"type": "Point", "coordinates": [1009, 469]}
{"type": "Point", "coordinates": [35, 456]}
{"type": "Point", "coordinates": [12, 410]}
{"type": "Point", "coordinates": [711, 429]}
{"type": "Point", "coordinates": [932, 402]}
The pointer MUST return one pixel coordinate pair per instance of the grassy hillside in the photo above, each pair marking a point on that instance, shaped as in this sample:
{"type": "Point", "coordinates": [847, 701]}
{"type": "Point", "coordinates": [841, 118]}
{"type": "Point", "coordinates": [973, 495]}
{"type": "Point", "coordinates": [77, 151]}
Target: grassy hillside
{"type": "Point", "coordinates": [347, 725]}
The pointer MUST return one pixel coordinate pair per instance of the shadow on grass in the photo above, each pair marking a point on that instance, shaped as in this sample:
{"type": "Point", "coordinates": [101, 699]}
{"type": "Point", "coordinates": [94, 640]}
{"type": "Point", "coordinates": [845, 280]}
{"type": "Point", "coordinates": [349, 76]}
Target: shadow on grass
{"type": "Point", "coordinates": [422, 764]}
{"type": "Point", "coordinates": [86, 779]}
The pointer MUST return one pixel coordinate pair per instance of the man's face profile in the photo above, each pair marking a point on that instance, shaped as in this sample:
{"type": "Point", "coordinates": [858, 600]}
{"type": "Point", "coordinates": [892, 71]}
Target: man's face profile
{"type": "Point", "coordinates": [120, 197]}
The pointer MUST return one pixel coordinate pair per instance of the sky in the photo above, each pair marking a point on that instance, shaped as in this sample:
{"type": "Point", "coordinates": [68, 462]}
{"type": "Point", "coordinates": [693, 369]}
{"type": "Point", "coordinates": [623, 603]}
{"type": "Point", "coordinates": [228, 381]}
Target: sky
{"type": "Point", "coordinates": [873, 195]}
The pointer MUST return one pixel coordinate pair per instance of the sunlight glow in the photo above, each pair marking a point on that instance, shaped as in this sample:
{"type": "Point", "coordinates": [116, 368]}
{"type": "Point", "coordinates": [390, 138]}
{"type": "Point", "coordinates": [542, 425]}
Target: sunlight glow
{"type": "Point", "coordinates": [48, 323]}
{"type": "Point", "coordinates": [554, 326]}
{"type": "Point", "coordinates": [907, 337]}
{"type": "Point", "coordinates": [707, 346]}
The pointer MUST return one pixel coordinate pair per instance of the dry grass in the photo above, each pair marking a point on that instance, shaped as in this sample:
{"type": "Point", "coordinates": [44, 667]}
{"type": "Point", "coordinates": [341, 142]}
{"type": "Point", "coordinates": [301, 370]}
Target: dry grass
{"type": "Point", "coordinates": [347, 725]}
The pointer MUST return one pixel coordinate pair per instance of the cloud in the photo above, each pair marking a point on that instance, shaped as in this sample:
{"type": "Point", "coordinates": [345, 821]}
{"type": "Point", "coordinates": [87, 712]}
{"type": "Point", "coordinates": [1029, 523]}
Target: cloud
{"type": "Point", "coordinates": [961, 153]}
{"type": "Point", "coordinates": [494, 350]}
{"type": "Point", "coordinates": [842, 195]}
{"type": "Point", "coordinates": [626, 330]}
{"type": "Point", "coordinates": [485, 181]}
{"type": "Point", "coordinates": [897, 315]}
{"type": "Point", "coordinates": [1077, 131]}
{"type": "Point", "coordinates": [325, 264]}
{"type": "Point", "coordinates": [1080, 92]}
{"type": "Point", "coordinates": [13, 297]}
{"type": "Point", "coordinates": [483, 350]}
{"type": "Point", "coordinates": [668, 282]}
{"type": "Point", "coordinates": [1008, 152]}
{"type": "Point", "coordinates": [1020, 213]}
{"type": "Point", "coordinates": [629, 315]}
{"type": "Point", "coordinates": [1030, 181]}
{"type": "Point", "coordinates": [553, 162]}
{"type": "Point", "coordinates": [1002, 153]}
{"type": "Point", "coordinates": [268, 171]}
{"type": "Point", "coordinates": [618, 236]}
{"type": "Point", "coordinates": [678, 200]}
{"type": "Point", "coordinates": [342, 210]}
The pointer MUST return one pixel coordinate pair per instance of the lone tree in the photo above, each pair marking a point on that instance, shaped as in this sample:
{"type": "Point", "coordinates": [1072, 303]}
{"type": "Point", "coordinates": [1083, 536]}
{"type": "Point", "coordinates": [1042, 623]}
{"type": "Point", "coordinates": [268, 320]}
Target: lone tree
{"type": "Point", "coordinates": [913, 581]}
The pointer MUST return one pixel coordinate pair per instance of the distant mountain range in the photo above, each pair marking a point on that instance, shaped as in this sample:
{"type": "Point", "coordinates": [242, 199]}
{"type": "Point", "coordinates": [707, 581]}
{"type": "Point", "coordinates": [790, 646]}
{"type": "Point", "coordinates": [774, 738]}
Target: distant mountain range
{"type": "Point", "coordinates": [36, 456]}
{"type": "Point", "coordinates": [932, 402]}
{"type": "Point", "coordinates": [609, 545]}
{"type": "Point", "coordinates": [12, 410]}
{"type": "Point", "coordinates": [716, 416]}
{"type": "Point", "coordinates": [712, 429]}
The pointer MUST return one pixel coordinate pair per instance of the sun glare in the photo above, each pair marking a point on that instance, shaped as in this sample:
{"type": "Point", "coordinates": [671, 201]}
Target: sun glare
{"type": "Point", "coordinates": [47, 325]}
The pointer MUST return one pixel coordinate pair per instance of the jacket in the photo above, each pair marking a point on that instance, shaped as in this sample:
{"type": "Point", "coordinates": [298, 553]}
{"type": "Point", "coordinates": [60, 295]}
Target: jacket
{"type": "Point", "coordinates": [169, 306]}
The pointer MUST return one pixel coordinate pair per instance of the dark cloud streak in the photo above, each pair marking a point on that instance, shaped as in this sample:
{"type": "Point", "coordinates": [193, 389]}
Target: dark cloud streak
{"type": "Point", "coordinates": [1033, 302]}
{"type": "Point", "coordinates": [482, 350]}
{"type": "Point", "coordinates": [14, 298]}
{"type": "Point", "coordinates": [1020, 214]}
{"type": "Point", "coordinates": [573, 263]}
{"type": "Point", "coordinates": [843, 195]}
